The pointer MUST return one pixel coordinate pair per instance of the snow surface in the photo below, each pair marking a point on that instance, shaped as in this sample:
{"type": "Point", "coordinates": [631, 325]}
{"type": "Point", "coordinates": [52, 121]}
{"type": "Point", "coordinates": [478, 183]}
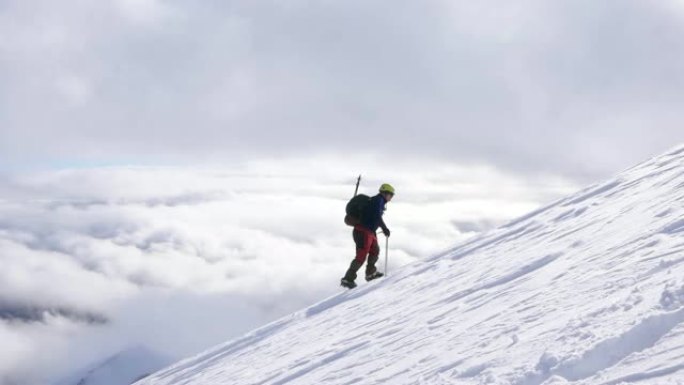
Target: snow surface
{"type": "Point", "coordinates": [589, 290]}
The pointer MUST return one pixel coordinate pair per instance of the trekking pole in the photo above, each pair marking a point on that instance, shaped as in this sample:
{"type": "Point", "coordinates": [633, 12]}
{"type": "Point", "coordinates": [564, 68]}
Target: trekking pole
{"type": "Point", "coordinates": [357, 185]}
{"type": "Point", "coordinates": [386, 252]}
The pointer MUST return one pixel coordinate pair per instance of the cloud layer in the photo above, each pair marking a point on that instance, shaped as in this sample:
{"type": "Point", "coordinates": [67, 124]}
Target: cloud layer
{"type": "Point", "coordinates": [575, 87]}
{"type": "Point", "coordinates": [178, 259]}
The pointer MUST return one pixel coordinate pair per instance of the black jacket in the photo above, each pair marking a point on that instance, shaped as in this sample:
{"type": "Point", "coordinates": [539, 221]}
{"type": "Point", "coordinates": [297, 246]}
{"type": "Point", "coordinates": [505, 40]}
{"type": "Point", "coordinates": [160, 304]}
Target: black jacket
{"type": "Point", "coordinates": [372, 216]}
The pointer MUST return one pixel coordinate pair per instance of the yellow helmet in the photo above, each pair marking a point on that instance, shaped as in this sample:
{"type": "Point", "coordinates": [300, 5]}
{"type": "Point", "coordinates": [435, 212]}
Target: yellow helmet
{"type": "Point", "coordinates": [387, 188]}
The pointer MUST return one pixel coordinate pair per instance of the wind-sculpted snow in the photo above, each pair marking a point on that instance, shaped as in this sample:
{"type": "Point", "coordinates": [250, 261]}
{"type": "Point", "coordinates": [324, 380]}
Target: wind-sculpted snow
{"type": "Point", "coordinates": [589, 290]}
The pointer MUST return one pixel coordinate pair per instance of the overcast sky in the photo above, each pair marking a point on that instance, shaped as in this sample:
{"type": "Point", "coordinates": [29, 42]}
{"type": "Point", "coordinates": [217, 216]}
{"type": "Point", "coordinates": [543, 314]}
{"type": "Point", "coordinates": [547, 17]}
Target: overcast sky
{"type": "Point", "coordinates": [580, 88]}
{"type": "Point", "coordinates": [233, 132]}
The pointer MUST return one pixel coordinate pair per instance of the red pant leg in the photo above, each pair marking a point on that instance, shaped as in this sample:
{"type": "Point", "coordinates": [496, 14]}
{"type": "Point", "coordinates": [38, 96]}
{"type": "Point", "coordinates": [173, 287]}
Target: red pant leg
{"type": "Point", "coordinates": [366, 243]}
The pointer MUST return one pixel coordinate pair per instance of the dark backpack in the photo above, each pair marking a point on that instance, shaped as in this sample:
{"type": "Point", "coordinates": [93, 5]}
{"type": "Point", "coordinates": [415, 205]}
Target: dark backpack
{"type": "Point", "coordinates": [355, 209]}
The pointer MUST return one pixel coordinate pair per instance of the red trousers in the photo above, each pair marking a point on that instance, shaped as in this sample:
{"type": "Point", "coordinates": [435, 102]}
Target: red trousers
{"type": "Point", "coordinates": [366, 245]}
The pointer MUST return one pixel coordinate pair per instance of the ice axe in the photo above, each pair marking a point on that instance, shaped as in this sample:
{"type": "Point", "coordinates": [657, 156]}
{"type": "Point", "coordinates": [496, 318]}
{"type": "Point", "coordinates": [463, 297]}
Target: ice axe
{"type": "Point", "coordinates": [386, 253]}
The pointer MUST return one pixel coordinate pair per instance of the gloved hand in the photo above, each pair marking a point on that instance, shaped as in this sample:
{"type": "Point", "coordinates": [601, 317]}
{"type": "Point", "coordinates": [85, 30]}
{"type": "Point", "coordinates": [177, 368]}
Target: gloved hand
{"type": "Point", "coordinates": [386, 231]}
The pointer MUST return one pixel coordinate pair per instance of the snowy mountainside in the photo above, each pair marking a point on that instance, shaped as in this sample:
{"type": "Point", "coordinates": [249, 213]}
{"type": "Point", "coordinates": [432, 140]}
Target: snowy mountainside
{"type": "Point", "coordinates": [588, 290]}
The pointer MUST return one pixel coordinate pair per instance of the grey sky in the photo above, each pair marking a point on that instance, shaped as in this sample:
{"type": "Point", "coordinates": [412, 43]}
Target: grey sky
{"type": "Point", "coordinates": [579, 88]}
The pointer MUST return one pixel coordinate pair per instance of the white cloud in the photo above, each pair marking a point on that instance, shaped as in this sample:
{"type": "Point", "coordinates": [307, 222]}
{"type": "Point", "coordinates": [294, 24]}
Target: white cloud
{"type": "Point", "coordinates": [145, 12]}
{"type": "Point", "coordinates": [530, 86]}
{"type": "Point", "coordinates": [75, 90]}
{"type": "Point", "coordinates": [104, 259]}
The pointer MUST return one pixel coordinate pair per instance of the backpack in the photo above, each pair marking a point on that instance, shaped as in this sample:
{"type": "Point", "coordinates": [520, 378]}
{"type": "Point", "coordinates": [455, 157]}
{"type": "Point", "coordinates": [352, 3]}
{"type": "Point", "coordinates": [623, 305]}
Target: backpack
{"type": "Point", "coordinates": [355, 209]}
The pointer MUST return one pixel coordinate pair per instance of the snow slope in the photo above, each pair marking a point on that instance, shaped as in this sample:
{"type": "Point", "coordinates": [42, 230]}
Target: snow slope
{"type": "Point", "coordinates": [589, 290]}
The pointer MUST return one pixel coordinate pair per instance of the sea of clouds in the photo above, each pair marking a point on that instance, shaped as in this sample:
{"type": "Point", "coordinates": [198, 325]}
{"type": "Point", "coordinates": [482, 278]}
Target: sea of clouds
{"type": "Point", "coordinates": [95, 261]}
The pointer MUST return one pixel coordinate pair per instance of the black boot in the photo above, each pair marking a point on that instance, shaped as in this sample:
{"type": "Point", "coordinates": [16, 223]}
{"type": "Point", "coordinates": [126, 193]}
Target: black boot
{"type": "Point", "coordinates": [350, 275]}
{"type": "Point", "coordinates": [371, 271]}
